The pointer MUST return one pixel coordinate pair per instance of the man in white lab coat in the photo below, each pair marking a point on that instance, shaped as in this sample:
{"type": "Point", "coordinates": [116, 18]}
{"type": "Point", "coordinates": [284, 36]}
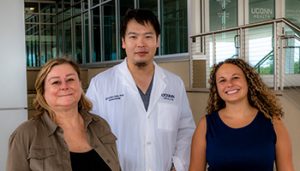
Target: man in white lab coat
{"type": "Point", "coordinates": [145, 105]}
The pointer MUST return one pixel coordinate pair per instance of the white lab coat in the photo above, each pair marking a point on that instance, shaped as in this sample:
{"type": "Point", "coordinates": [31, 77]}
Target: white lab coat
{"type": "Point", "coordinates": [146, 140]}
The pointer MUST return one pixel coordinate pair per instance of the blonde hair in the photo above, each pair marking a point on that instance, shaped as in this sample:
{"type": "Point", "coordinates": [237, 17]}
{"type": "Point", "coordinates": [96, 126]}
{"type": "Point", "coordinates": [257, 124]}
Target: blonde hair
{"type": "Point", "coordinates": [259, 95]}
{"type": "Point", "coordinates": [40, 103]}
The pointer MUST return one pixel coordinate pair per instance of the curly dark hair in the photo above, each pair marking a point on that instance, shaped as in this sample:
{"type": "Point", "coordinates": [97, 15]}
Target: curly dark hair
{"type": "Point", "coordinates": [259, 95]}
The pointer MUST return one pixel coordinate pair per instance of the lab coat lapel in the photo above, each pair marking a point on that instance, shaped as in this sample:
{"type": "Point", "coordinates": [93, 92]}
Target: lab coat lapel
{"type": "Point", "coordinates": [130, 84]}
{"type": "Point", "coordinates": [158, 87]}
{"type": "Point", "coordinates": [127, 78]}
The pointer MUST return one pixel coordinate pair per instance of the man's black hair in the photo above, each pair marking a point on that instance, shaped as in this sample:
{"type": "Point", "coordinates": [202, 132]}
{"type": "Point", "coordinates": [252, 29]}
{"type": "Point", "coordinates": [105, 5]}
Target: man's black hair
{"type": "Point", "coordinates": [142, 16]}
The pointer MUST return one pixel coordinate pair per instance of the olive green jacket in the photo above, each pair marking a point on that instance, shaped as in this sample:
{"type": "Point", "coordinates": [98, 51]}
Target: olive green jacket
{"type": "Point", "coordinates": [38, 144]}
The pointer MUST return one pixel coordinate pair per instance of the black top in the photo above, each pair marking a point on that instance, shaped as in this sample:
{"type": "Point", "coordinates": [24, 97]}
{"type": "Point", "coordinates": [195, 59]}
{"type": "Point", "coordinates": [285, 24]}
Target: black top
{"type": "Point", "coordinates": [90, 161]}
{"type": "Point", "coordinates": [249, 148]}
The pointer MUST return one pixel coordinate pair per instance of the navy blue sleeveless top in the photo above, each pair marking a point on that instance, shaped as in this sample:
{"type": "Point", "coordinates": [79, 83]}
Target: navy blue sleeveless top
{"type": "Point", "coordinates": [250, 148]}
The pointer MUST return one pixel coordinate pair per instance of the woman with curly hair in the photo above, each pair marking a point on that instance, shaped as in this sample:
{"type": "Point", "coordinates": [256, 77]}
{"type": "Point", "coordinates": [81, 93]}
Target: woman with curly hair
{"type": "Point", "coordinates": [242, 130]}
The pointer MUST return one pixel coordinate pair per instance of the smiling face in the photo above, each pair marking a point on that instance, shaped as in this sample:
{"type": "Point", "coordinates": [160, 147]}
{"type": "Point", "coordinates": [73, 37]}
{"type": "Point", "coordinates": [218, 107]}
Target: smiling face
{"type": "Point", "coordinates": [140, 43]}
{"type": "Point", "coordinates": [62, 88]}
{"type": "Point", "coordinates": [231, 83]}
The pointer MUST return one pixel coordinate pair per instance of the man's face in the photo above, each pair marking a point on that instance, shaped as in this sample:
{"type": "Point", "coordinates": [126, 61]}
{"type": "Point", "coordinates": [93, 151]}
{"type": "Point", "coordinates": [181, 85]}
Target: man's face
{"type": "Point", "coordinates": [140, 43]}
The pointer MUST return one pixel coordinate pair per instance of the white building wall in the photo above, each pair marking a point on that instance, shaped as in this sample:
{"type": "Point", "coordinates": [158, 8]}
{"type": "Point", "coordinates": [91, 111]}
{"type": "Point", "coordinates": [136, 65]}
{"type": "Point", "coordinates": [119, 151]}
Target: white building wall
{"type": "Point", "coordinates": [13, 99]}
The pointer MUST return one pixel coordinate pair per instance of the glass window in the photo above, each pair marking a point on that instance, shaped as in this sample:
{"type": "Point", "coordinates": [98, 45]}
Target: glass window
{"type": "Point", "coordinates": [292, 52]}
{"type": "Point", "coordinates": [67, 13]}
{"type": "Point", "coordinates": [32, 44]}
{"type": "Point", "coordinates": [65, 29]}
{"type": "Point", "coordinates": [149, 4]}
{"type": "Point", "coordinates": [95, 2]}
{"type": "Point", "coordinates": [31, 18]}
{"type": "Point", "coordinates": [76, 9]}
{"type": "Point", "coordinates": [76, 1]}
{"type": "Point", "coordinates": [292, 11]}
{"type": "Point", "coordinates": [109, 31]}
{"type": "Point", "coordinates": [260, 48]}
{"type": "Point", "coordinates": [225, 46]}
{"type": "Point", "coordinates": [86, 38]}
{"type": "Point", "coordinates": [174, 35]}
{"type": "Point", "coordinates": [60, 39]}
{"type": "Point", "coordinates": [47, 43]}
{"type": "Point", "coordinates": [223, 14]}
{"type": "Point", "coordinates": [31, 7]}
{"type": "Point", "coordinates": [46, 18]}
{"type": "Point", "coordinates": [59, 5]}
{"type": "Point", "coordinates": [67, 38]}
{"type": "Point", "coordinates": [124, 6]}
{"type": "Point", "coordinates": [78, 39]}
{"type": "Point", "coordinates": [67, 9]}
{"type": "Point", "coordinates": [60, 17]}
{"type": "Point", "coordinates": [261, 10]}
{"type": "Point", "coordinates": [67, 4]}
{"type": "Point", "coordinates": [48, 8]}
{"type": "Point", "coordinates": [96, 56]}
{"type": "Point", "coordinates": [85, 4]}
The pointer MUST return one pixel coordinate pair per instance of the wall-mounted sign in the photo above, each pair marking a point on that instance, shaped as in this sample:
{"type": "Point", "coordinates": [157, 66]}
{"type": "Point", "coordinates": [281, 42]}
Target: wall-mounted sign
{"type": "Point", "coordinates": [261, 13]}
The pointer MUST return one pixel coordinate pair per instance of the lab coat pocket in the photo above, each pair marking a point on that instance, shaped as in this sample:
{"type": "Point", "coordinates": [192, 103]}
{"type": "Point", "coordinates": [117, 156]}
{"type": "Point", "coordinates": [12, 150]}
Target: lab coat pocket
{"type": "Point", "coordinates": [167, 116]}
{"type": "Point", "coordinates": [41, 158]}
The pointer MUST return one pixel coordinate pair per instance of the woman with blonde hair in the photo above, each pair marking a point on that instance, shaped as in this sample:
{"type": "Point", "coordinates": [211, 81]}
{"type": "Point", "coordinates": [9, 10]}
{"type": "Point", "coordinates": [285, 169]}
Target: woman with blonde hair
{"type": "Point", "coordinates": [63, 136]}
{"type": "Point", "coordinates": [243, 129]}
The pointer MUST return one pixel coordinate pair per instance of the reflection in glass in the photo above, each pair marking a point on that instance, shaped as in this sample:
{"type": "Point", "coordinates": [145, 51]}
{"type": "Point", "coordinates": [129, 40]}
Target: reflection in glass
{"type": "Point", "coordinates": [96, 56]}
{"type": "Point", "coordinates": [31, 18]}
{"type": "Point", "coordinates": [48, 8]}
{"type": "Point", "coordinates": [31, 7]}
{"type": "Point", "coordinates": [65, 24]}
{"type": "Point", "coordinates": [78, 40]}
{"type": "Point", "coordinates": [67, 13]}
{"type": "Point", "coordinates": [60, 17]}
{"type": "Point", "coordinates": [76, 1]}
{"type": "Point", "coordinates": [225, 46]}
{"type": "Point", "coordinates": [260, 48]}
{"type": "Point", "coordinates": [149, 4]}
{"type": "Point", "coordinates": [292, 11]}
{"type": "Point", "coordinates": [60, 39]}
{"type": "Point", "coordinates": [59, 5]}
{"type": "Point", "coordinates": [174, 36]}
{"type": "Point", "coordinates": [124, 6]}
{"type": "Point", "coordinates": [95, 2]}
{"type": "Point", "coordinates": [86, 38]}
{"type": "Point", "coordinates": [76, 9]}
{"type": "Point", "coordinates": [292, 52]}
{"type": "Point", "coordinates": [109, 31]}
{"type": "Point", "coordinates": [67, 38]}
{"type": "Point", "coordinates": [47, 43]}
{"type": "Point", "coordinates": [32, 44]}
{"type": "Point", "coordinates": [51, 19]}
{"type": "Point", "coordinates": [85, 4]}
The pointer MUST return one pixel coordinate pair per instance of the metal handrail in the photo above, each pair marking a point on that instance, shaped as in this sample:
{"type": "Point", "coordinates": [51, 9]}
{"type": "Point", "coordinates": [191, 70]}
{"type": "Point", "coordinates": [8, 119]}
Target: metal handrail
{"type": "Point", "coordinates": [278, 71]}
{"type": "Point", "coordinates": [266, 57]}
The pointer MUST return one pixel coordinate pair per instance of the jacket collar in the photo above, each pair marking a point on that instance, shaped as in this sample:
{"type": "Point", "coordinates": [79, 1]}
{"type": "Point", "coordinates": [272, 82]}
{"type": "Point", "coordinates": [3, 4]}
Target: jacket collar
{"type": "Point", "coordinates": [52, 126]}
